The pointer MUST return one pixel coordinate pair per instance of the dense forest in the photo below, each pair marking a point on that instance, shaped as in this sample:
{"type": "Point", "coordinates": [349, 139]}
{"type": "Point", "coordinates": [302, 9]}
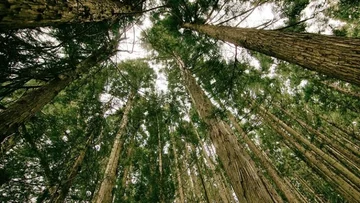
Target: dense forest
{"type": "Point", "coordinates": [259, 101]}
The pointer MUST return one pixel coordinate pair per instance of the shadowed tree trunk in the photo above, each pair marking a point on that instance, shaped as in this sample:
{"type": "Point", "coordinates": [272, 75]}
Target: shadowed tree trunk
{"type": "Point", "coordinates": [243, 174]}
{"type": "Point", "coordinates": [33, 101]}
{"type": "Point", "coordinates": [17, 14]}
{"type": "Point", "coordinates": [104, 195]}
{"type": "Point", "coordinates": [337, 57]}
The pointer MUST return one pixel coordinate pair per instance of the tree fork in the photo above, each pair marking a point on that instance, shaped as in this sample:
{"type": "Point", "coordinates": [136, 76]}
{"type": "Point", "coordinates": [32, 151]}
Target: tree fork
{"type": "Point", "coordinates": [337, 57]}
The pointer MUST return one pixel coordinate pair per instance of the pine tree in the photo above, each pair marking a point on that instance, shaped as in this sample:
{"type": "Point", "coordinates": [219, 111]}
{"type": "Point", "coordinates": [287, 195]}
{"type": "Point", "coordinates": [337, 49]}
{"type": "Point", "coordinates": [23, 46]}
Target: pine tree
{"type": "Point", "coordinates": [333, 56]}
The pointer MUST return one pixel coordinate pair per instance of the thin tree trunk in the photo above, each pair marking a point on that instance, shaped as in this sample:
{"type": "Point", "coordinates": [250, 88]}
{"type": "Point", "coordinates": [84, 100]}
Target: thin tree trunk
{"type": "Point", "coordinates": [356, 95]}
{"type": "Point", "coordinates": [353, 155]}
{"type": "Point", "coordinates": [65, 187]}
{"type": "Point", "coordinates": [192, 176]}
{"type": "Point", "coordinates": [178, 175]}
{"type": "Point", "coordinates": [272, 172]}
{"type": "Point", "coordinates": [337, 57]}
{"type": "Point", "coordinates": [104, 195]}
{"type": "Point", "coordinates": [127, 170]}
{"type": "Point", "coordinates": [33, 101]}
{"type": "Point", "coordinates": [160, 161]}
{"type": "Point", "coordinates": [223, 193]}
{"type": "Point", "coordinates": [243, 174]}
{"type": "Point", "coordinates": [18, 14]}
{"type": "Point", "coordinates": [310, 189]}
{"type": "Point", "coordinates": [339, 167]}
{"type": "Point", "coordinates": [343, 187]}
{"type": "Point", "coordinates": [206, 193]}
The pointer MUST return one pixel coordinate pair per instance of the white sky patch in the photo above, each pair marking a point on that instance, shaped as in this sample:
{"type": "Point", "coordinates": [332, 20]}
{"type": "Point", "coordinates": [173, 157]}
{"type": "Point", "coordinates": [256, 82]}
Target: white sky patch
{"type": "Point", "coordinates": [320, 24]}
{"type": "Point", "coordinates": [65, 138]}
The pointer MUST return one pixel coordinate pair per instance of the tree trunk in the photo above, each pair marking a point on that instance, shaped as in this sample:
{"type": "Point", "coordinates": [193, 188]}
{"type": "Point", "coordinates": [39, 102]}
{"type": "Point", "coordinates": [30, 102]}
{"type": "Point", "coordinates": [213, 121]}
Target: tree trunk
{"type": "Point", "coordinates": [223, 191]}
{"type": "Point", "coordinates": [178, 175]}
{"type": "Point", "coordinates": [206, 193]}
{"type": "Point", "coordinates": [242, 173]}
{"type": "Point", "coordinates": [19, 14]}
{"type": "Point", "coordinates": [334, 163]}
{"type": "Point", "coordinates": [272, 172]}
{"type": "Point", "coordinates": [33, 101]}
{"type": "Point", "coordinates": [127, 170]}
{"type": "Point", "coordinates": [160, 149]}
{"type": "Point", "coordinates": [104, 194]}
{"type": "Point", "coordinates": [65, 187]}
{"type": "Point", "coordinates": [347, 190]}
{"type": "Point", "coordinates": [337, 57]}
{"type": "Point", "coordinates": [356, 95]}
{"type": "Point", "coordinates": [353, 154]}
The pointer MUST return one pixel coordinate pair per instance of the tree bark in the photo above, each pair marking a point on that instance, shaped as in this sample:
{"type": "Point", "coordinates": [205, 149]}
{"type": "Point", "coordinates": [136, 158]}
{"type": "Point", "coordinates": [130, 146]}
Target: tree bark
{"type": "Point", "coordinates": [19, 14]}
{"type": "Point", "coordinates": [272, 172]}
{"type": "Point", "coordinates": [243, 174]}
{"type": "Point", "coordinates": [104, 194]}
{"type": "Point", "coordinates": [33, 101]}
{"type": "Point", "coordinates": [337, 57]}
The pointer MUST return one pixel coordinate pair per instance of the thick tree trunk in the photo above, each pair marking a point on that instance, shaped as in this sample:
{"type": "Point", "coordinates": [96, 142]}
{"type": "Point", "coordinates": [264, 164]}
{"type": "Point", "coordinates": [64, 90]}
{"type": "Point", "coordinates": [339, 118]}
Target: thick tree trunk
{"type": "Point", "coordinates": [104, 195]}
{"type": "Point", "coordinates": [18, 14]}
{"type": "Point", "coordinates": [313, 160]}
{"type": "Point", "coordinates": [178, 175]}
{"type": "Point", "coordinates": [272, 172]}
{"type": "Point", "coordinates": [243, 174]}
{"type": "Point", "coordinates": [33, 101]}
{"type": "Point", "coordinates": [336, 57]}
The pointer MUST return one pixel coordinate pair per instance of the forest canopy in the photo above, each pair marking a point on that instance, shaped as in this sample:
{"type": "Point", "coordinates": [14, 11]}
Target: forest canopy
{"type": "Point", "coordinates": [180, 101]}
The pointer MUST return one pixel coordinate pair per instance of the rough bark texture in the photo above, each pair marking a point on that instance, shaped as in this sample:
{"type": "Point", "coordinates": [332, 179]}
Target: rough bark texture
{"type": "Point", "coordinates": [348, 191]}
{"type": "Point", "coordinates": [337, 57]}
{"type": "Point", "coordinates": [17, 14]}
{"type": "Point", "coordinates": [272, 172]}
{"type": "Point", "coordinates": [32, 102]}
{"type": "Point", "coordinates": [242, 173]}
{"type": "Point", "coordinates": [104, 194]}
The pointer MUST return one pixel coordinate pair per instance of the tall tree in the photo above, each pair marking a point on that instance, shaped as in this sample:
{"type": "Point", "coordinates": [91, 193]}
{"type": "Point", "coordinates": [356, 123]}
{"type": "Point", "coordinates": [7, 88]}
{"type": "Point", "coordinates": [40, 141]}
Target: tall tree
{"type": "Point", "coordinates": [105, 193]}
{"type": "Point", "coordinates": [337, 57]}
{"type": "Point", "coordinates": [231, 154]}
